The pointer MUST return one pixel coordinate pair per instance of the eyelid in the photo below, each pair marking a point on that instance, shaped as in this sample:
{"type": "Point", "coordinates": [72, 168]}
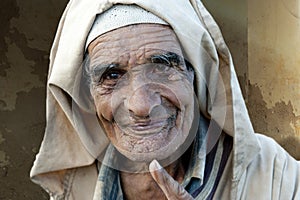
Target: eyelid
{"type": "Point", "coordinates": [99, 70]}
{"type": "Point", "coordinates": [108, 72]}
{"type": "Point", "coordinates": [110, 67]}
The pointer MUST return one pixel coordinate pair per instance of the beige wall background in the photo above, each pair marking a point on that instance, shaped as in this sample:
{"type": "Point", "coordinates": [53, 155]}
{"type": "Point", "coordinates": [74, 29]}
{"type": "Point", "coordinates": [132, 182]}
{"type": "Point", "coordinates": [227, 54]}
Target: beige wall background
{"type": "Point", "coordinates": [26, 33]}
{"type": "Point", "coordinates": [262, 36]}
{"type": "Point", "coordinates": [274, 70]}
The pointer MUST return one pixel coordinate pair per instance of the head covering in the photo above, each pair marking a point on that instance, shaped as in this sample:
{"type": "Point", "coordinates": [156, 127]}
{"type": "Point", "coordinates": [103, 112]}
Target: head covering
{"type": "Point", "coordinates": [71, 144]}
{"type": "Point", "coordinates": [118, 16]}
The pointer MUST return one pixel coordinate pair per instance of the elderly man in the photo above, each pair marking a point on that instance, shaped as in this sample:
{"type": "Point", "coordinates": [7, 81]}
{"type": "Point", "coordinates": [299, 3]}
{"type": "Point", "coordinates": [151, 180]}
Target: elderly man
{"type": "Point", "coordinates": [143, 103]}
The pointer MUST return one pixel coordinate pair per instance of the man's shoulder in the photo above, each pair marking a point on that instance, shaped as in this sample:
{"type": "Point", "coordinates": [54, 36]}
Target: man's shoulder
{"type": "Point", "coordinates": [269, 145]}
{"type": "Point", "coordinates": [276, 169]}
{"type": "Point", "coordinates": [272, 151]}
{"type": "Point", "coordinates": [266, 141]}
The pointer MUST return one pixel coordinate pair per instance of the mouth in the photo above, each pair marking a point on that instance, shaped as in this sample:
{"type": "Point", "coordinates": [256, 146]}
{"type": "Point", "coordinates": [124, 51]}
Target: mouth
{"type": "Point", "coordinates": [148, 127]}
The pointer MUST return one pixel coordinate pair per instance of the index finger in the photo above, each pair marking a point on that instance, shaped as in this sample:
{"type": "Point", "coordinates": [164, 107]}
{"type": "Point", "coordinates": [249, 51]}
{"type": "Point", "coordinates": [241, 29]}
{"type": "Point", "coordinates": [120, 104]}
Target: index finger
{"type": "Point", "coordinates": [171, 188]}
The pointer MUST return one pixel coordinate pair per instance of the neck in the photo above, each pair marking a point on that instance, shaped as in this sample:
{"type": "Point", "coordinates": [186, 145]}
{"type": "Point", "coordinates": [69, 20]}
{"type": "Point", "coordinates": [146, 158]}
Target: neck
{"type": "Point", "coordinates": [135, 184]}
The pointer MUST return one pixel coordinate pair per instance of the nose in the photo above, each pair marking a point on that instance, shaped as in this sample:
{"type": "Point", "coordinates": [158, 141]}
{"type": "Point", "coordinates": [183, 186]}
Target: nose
{"type": "Point", "coordinates": [142, 101]}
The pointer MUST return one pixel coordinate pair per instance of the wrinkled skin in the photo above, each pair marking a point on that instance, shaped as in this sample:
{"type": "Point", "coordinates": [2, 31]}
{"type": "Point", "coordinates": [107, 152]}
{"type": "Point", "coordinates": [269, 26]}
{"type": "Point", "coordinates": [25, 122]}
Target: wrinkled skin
{"type": "Point", "coordinates": [143, 96]}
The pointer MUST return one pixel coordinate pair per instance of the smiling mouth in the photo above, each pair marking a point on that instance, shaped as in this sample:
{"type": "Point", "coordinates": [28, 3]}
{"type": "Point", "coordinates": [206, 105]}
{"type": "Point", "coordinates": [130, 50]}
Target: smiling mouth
{"type": "Point", "coordinates": [149, 127]}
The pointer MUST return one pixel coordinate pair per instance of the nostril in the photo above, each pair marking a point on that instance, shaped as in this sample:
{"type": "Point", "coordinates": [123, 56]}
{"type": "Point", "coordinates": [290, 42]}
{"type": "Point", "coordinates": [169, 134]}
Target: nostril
{"type": "Point", "coordinates": [142, 101]}
{"type": "Point", "coordinates": [138, 117]}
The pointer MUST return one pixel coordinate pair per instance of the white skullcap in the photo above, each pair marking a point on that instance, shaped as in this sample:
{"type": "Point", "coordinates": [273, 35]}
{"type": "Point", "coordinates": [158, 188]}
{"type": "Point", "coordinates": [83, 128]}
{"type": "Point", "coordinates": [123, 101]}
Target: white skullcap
{"type": "Point", "coordinates": [118, 16]}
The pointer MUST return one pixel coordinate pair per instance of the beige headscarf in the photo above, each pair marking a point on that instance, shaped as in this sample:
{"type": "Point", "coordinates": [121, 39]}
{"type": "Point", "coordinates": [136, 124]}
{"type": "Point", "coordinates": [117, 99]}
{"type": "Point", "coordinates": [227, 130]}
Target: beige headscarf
{"type": "Point", "coordinates": [68, 145]}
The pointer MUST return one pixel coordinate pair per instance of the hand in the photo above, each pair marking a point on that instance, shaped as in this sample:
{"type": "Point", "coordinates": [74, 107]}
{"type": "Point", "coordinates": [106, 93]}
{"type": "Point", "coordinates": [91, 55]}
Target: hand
{"type": "Point", "coordinates": [171, 188]}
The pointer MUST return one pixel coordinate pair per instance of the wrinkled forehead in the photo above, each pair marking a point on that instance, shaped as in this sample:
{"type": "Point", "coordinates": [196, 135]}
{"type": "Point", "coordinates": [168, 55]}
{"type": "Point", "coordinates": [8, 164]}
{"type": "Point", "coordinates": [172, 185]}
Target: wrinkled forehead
{"type": "Point", "coordinates": [129, 32]}
{"type": "Point", "coordinates": [133, 44]}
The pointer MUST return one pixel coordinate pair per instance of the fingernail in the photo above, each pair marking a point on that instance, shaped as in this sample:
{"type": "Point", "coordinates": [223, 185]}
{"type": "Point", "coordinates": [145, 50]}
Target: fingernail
{"type": "Point", "coordinates": [154, 166]}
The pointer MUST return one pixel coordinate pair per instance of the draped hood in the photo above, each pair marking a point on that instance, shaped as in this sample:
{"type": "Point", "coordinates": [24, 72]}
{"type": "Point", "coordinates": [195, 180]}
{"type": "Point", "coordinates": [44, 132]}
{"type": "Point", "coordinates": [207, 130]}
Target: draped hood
{"type": "Point", "coordinates": [71, 143]}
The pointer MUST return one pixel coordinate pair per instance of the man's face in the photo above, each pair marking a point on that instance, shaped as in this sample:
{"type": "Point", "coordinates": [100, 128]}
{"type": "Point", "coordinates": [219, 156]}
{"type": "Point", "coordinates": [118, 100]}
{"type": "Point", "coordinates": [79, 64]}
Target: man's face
{"type": "Point", "coordinates": [142, 90]}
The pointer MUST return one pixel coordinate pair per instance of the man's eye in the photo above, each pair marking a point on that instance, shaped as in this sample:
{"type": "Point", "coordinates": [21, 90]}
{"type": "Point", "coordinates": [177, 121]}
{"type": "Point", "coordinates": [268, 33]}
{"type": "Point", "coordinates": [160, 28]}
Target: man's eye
{"type": "Point", "coordinates": [112, 75]}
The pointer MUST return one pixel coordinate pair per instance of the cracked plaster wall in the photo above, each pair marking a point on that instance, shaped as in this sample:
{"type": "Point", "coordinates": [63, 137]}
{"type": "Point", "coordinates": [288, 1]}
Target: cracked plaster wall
{"type": "Point", "coordinates": [273, 71]}
{"type": "Point", "coordinates": [27, 31]}
{"type": "Point", "coordinates": [268, 76]}
{"type": "Point", "coordinates": [263, 37]}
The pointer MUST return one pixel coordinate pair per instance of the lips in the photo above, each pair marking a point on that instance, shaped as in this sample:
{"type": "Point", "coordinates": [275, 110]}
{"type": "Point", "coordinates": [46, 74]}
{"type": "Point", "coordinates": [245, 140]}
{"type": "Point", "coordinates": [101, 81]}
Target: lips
{"type": "Point", "coordinates": [145, 128]}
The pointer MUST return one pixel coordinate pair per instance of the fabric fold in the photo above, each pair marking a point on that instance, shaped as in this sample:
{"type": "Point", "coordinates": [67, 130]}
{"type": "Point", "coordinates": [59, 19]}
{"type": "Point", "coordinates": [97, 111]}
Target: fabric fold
{"type": "Point", "coordinates": [69, 145]}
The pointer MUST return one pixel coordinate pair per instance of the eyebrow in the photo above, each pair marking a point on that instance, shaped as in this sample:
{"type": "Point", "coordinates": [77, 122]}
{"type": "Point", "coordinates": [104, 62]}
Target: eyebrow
{"type": "Point", "coordinates": [168, 58]}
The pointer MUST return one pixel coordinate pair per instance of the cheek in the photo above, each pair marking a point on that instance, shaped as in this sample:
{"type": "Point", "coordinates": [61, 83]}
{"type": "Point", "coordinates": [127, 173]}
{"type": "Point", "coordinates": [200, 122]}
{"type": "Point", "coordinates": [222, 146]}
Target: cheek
{"type": "Point", "coordinates": [103, 106]}
{"type": "Point", "coordinates": [183, 91]}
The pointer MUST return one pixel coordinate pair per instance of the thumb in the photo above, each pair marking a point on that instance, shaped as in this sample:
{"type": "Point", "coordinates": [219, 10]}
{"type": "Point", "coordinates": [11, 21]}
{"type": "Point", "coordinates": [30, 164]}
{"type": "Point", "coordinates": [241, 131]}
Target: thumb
{"type": "Point", "coordinates": [171, 188]}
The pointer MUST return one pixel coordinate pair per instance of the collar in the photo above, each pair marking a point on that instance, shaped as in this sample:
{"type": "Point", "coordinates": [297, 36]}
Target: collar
{"type": "Point", "coordinates": [197, 161]}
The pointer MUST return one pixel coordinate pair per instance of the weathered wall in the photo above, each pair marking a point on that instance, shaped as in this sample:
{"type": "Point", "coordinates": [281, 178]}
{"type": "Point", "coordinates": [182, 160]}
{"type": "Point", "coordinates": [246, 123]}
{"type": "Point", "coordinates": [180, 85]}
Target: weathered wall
{"type": "Point", "coordinates": [263, 37]}
{"type": "Point", "coordinates": [273, 71]}
{"type": "Point", "coordinates": [268, 77]}
{"type": "Point", "coordinates": [231, 16]}
{"type": "Point", "coordinates": [27, 30]}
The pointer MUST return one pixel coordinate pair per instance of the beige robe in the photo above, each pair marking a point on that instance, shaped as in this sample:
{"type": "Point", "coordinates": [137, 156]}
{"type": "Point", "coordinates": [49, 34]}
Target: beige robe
{"type": "Point", "coordinates": [258, 168]}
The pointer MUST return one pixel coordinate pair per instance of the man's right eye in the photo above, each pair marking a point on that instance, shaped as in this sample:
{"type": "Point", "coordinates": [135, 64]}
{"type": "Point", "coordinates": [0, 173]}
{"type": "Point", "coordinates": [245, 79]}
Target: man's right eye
{"type": "Point", "coordinates": [111, 76]}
